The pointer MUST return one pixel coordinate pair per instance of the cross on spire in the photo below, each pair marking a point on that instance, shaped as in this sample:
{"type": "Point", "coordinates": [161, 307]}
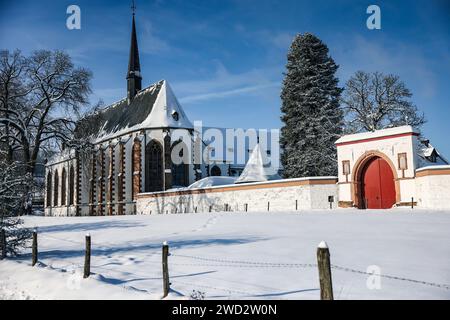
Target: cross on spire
{"type": "Point", "coordinates": [133, 7]}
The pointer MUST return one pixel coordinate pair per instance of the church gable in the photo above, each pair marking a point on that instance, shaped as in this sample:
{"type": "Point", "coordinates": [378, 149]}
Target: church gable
{"type": "Point", "coordinates": [153, 107]}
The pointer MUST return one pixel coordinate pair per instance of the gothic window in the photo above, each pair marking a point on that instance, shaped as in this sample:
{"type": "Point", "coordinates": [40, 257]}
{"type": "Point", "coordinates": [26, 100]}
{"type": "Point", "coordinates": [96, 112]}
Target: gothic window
{"type": "Point", "coordinates": [63, 186]}
{"type": "Point", "coordinates": [153, 167]}
{"type": "Point", "coordinates": [215, 171]}
{"type": "Point", "coordinates": [55, 189]}
{"type": "Point", "coordinates": [49, 189]}
{"type": "Point", "coordinates": [71, 185]}
{"type": "Point", "coordinates": [180, 171]}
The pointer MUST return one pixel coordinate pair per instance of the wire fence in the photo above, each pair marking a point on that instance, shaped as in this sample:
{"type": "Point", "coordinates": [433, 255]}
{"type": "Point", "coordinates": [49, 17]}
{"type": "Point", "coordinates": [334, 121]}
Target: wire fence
{"type": "Point", "coordinates": [259, 264]}
{"type": "Point", "coordinates": [184, 260]}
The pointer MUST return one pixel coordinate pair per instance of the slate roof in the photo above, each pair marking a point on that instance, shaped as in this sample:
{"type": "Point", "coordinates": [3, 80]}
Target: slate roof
{"type": "Point", "coordinates": [152, 107]}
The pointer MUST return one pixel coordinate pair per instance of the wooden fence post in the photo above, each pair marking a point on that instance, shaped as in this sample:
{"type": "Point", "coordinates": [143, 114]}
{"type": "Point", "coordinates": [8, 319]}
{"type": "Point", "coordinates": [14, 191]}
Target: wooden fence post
{"type": "Point", "coordinates": [87, 257]}
{"type": "Point", "coordinates": [165, 268]}
{"type": "Point", "coordinates": [34, 249]}
{"type": "Point", "coordinates": [3, 244]}
{"type": "Point", "coordinates": [323, 262]}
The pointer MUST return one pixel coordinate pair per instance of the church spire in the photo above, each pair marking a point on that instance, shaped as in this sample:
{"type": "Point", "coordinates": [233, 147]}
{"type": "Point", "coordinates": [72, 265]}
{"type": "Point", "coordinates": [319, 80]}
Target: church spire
{"type": "Point", "coordinates": [134, 68]}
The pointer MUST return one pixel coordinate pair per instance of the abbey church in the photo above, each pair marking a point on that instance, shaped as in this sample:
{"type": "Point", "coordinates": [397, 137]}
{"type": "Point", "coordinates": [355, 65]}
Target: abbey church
{"type": "Point", "coordinates": [132, 146]}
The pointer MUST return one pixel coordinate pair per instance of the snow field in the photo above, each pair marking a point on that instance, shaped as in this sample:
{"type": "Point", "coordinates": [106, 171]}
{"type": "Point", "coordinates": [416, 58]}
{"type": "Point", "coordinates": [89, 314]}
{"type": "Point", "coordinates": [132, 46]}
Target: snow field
{"type": "Point", "coordinates": [237, 256]}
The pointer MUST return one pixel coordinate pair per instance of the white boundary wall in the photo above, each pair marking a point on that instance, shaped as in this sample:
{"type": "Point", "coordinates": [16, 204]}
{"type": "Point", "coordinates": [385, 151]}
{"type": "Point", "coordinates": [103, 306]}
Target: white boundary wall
{"type": "Point", "coordinates": [278, 195]}
{"type": "Point", "coordinates": [433, 187]}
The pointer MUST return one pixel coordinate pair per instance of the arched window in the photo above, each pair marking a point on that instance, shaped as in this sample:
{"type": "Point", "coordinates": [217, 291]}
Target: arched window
{"type": "Point", "coordinates": [49, 189]}
{"type": "Point", "coordinates": [55, 188]}
{"type": "Point", "coordinates": [215, 171]}
{"type": "Point", "coordinates": [71, 185]}
{"type": "Point", "coordinates": [63, 186]}
{"type": "Point", "coordinates": [153, 167]}
{"type": "Point", "coordinates": [180, 171]}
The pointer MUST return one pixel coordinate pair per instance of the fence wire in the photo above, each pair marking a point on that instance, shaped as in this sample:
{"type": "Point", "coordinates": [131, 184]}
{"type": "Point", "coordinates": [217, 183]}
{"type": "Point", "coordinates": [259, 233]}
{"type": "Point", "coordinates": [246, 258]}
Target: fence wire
{"type": "Point", "coordinates": [228, 263]}
{"type": "Point", "coordinates": [256, 264]}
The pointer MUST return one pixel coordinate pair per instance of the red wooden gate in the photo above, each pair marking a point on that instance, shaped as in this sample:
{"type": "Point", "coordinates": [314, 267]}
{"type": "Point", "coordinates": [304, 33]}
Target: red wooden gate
{"type": "Point", "coordinates": [378, 185]}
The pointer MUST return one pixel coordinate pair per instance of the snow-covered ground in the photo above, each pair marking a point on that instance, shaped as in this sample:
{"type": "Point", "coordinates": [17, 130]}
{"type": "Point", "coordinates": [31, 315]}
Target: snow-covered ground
{"type": "Point", "coordinates": [237, 255]}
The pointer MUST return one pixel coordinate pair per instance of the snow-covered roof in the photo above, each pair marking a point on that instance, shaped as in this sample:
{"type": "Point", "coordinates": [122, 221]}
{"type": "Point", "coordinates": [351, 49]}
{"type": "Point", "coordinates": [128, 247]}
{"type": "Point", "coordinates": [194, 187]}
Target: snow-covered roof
{"type": "Point", "coordinates": [375, 134]}
{"type": "Point", "coordinates": [425, 151]}
{"type": "Point", "coordinates": [153, 107]}
{"type": "Point", "coordinates": [208, 182]}
{"type": "Point", "coordinates": [212, 182]}
{"type": "Point", "coordinates": [256, 170]}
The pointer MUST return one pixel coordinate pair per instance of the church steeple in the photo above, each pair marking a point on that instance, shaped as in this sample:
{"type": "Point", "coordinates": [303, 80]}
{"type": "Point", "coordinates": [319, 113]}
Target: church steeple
{"type": "Point", "coordinates": [134, 68]}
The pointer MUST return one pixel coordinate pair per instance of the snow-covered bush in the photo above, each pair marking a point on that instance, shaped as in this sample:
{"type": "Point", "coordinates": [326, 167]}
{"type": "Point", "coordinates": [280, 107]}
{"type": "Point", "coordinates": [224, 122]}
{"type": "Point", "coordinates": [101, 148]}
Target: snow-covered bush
{"type": "Point", "coordinates": [13, 195]}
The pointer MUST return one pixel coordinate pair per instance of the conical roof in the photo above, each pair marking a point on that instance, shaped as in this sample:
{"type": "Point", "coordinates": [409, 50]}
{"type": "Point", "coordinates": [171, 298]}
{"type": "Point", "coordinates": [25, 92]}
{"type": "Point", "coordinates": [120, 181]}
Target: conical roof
{"type": "Point", "coordinates": [256, 169]}
{"type": "Point", "coordinates": [133, 61]}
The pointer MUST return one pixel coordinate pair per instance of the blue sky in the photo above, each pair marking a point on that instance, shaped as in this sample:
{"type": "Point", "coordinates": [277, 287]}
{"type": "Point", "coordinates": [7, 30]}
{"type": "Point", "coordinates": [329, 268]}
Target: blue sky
{"type": "Point", "coordinates": [225, 59]}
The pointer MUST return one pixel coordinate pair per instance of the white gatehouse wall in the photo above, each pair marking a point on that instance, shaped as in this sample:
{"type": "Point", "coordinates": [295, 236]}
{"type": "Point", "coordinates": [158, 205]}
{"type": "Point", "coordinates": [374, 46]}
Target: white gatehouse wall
{"type": "Point", "coordinates": [423, 180]}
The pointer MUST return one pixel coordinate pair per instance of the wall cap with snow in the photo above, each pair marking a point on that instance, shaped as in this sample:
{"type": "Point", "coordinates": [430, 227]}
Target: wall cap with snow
{"type": "Point", "coordinates": [251, 185]}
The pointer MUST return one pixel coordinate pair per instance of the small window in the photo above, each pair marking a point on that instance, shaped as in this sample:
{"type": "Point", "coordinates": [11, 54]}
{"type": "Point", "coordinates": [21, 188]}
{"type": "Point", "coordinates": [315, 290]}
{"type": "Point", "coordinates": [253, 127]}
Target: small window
{"type": "Point", "coordinates": [346, 169]}
{"type": "Point", "coordinates": [175, 115]}
{"type": "Point", "coordinates": [402, 161]}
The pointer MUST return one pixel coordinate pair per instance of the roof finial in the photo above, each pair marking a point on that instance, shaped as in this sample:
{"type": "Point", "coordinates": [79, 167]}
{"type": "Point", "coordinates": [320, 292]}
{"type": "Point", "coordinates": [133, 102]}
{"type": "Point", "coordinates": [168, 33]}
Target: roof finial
{"type": "Point", "coordinates": [133, 7]}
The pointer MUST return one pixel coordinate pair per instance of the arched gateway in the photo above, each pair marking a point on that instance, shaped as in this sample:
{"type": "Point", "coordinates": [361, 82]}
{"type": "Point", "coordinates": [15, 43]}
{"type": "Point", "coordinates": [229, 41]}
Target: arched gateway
{"type": "Point", "coordinates": [375, 184]}
{"type": "Point", "coordinates": [377, 190]}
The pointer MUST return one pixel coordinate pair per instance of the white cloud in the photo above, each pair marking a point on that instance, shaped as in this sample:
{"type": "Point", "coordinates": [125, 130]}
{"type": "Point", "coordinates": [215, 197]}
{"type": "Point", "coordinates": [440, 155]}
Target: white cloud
{"type": "Point", "coordinates": [227, 93]}
{"type": "Point", "coordinates": [224, 84]}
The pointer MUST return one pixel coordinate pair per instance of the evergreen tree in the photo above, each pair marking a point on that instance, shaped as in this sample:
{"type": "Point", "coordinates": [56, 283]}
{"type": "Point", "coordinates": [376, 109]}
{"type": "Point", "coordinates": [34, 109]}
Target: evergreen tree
{"type": "Point", "coordinates": [310, 110]}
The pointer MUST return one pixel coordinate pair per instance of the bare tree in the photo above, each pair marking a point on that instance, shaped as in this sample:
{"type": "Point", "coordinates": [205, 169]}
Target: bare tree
{"type": "Point", "coordinates": [12, 96]}
{"type": "Point", "coordinates": [40, 100]}
{"type": "Point", "coordinates": [374, 101]}
{"type": "Point", "coordinates": [53, 91]}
